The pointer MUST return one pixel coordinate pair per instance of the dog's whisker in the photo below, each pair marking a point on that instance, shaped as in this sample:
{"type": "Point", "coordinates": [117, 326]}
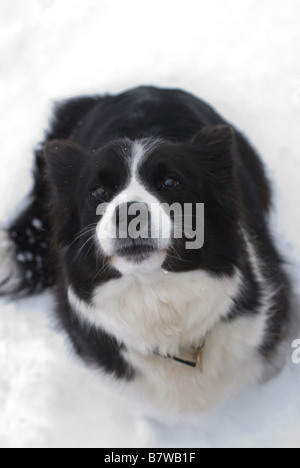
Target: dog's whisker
{"type": "Point", "coordinates": [82, 248]}
{"type": "Point", "coordinates": [82, 233]}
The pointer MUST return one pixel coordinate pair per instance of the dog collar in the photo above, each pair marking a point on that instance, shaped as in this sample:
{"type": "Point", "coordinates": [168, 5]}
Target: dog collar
{"type": "Point", "coordinates": [195, 362]}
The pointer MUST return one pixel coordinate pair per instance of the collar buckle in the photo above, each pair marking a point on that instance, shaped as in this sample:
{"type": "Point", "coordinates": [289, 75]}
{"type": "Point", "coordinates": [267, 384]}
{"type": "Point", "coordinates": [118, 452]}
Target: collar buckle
{"type": "Point", "coordinates": [197, 362]}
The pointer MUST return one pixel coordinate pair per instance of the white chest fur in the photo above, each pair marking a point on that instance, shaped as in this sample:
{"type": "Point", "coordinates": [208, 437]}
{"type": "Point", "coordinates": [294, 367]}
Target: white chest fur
{"type": "Point", "coordinates": [174, 312]}
{"type": "Point", "coordinates": [159, 311]}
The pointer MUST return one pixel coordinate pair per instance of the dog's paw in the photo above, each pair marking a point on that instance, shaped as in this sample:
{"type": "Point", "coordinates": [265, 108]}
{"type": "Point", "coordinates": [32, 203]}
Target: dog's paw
{"type": "Point", "coordinates": [10, 274]}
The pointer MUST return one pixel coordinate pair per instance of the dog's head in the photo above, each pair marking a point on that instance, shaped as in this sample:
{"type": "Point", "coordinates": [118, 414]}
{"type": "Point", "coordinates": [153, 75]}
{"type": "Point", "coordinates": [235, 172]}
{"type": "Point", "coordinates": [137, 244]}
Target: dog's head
{"type": "Point", "coordinates": [136, 206]}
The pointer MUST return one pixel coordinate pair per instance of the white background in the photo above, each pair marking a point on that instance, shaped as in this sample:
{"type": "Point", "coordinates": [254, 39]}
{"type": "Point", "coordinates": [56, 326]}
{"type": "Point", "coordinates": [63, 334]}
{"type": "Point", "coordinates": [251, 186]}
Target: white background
{"type": "Point", "coordinates": [241, 56]}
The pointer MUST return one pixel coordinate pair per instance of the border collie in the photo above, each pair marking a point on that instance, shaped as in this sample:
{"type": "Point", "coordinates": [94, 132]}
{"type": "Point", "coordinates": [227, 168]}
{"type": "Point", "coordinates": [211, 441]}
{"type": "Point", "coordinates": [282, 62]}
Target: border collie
{"type": "Point", "coordinates": [183, 324]}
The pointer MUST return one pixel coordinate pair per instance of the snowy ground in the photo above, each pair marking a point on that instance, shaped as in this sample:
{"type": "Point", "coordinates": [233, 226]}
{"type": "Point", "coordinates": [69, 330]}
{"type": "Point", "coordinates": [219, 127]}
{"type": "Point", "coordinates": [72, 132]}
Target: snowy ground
{"type": "Point", "coordinates": [241, 56]}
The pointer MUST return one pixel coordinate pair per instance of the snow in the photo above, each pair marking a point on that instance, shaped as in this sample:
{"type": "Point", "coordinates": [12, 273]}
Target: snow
{"type": "Point", "coordinates": [242, 57]}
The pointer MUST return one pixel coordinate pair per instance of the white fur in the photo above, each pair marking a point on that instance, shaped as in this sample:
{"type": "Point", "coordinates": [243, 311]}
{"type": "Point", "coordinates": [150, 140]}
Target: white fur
{"type": "Point", "coordinates": [159, 311]}
{"type": "Point", "coordinates": [172, 313]}
{"type": "Point", "coordinates": [230, 361]}
{"type": "Point", "coordinates": [267, 290]}
{"type": "Point", "coordinates": [152, 310]}
{"type": "Point", "coordinates": [10, 274]}
{"type": "Point", "coordinates": [149, 265]}
{"type": "Point", "coordinates": [135, 192]}
{"type": "Point", "coordinates": [276, 361]}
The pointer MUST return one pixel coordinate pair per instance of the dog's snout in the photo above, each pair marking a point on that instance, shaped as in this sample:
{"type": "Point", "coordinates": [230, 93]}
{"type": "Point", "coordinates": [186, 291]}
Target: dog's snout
{"type": "Point", "coordinates": [133, 220]}
{"type": "Point", "coordinates": [133, 226]}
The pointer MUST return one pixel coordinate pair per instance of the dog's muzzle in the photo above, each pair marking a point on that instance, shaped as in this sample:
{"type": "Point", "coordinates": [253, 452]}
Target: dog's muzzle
{"type": "Point", "coordinates": [133, 232]}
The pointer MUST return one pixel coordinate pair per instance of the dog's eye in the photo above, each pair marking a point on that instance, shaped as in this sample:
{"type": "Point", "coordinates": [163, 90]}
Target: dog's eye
{"type": "Point", "coordinates": [171, 182]}
{"type": "Point", "coordinates": [99, 192]}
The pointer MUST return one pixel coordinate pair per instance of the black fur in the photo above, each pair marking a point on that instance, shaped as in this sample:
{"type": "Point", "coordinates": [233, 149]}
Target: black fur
{"type": "Point", "coordinates": [88, 141]}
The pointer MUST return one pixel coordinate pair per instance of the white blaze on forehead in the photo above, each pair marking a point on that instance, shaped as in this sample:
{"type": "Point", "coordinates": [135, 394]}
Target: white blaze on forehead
{"type": "Point", "coordinates": [138, 155]}
{"type": "Point", "coordinates": [141, 150]}
{"type": "Point", "coordinates": [136, 192]}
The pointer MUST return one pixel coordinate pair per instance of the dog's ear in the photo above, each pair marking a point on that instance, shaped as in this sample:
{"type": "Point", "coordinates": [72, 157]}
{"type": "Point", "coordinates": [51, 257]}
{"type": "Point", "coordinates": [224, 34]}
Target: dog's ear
{"type": "Point", "coordinates": [215, 139]}
{"type": "Point", "coordinates": [215, 147]}
{"type": "Point", "coordinates": [64, 161]}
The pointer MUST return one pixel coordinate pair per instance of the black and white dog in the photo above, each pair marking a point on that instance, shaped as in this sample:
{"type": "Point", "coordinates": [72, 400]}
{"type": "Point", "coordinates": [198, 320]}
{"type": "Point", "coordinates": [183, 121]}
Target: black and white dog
{"type": "Point", "coordinates": [182, 327]}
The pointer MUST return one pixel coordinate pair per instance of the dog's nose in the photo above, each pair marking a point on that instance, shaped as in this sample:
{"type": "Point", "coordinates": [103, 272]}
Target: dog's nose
{"type": "Point", "coordinates": [133, 223]}
{"type": "Point", "coordinates": [133, 220]}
